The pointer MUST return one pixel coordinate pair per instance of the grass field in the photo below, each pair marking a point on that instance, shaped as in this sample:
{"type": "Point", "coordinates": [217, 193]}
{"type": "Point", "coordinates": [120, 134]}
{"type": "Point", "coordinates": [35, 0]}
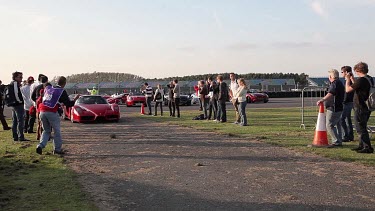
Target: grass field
{"type": "Point", "coordinates": [279, 126]}
{"type": "Point", "coordinates": [29, 181]}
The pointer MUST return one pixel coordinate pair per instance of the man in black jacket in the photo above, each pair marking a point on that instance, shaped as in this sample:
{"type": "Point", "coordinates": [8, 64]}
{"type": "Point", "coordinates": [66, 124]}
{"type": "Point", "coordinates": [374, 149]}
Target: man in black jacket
{"type": "Point", "coordinates": [223, 97]}
{"type": "Point", "coordinates": [2, 118]}
{"type": "Point", "coordinates": [361, 88]}
{"type": "Point", "coordinates": [213, 91]}
{"type": "Point", "coordinates": [16, 103]}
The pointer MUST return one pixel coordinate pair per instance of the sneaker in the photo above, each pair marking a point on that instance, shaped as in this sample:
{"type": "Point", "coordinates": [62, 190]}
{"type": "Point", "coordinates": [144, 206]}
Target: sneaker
{"type": "Point", "coordinates": [366, 150]}
{"type": "Point", "coordinates": [39, 150]}
{"type": "Point", "coordinates": [24, 140]}
{"type": "Point", "coordinates": [335, 145]}
{"type": "Point", "coordinates": [357, 148]}
{"type": "Point", "coordinates": [58, 152]}
{"type": "Point", "coordinates": [236, 123]}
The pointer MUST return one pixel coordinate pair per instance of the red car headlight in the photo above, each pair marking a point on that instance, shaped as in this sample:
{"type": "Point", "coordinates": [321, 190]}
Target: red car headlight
{"type": "Point", "coordinates": [79, 110]}
{"type": "Point", "coordinates": [130, 98]}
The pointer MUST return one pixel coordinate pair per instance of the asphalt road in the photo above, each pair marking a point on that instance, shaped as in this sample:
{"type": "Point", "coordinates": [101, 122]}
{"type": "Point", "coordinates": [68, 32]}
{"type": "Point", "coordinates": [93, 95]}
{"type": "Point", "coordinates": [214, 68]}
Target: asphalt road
{"type": "Point", "coordinates": [273, 103]}
{"type": "Point", "coordinates": [157, 166]}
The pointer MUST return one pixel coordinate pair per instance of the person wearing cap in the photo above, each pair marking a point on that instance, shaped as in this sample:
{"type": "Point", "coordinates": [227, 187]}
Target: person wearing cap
{"type": "Point", "coordinates": [28, 104]}
{"type": "Point", "coordinates": [333, 102]}
{"type": "Point", "coordinates": [2, 117]}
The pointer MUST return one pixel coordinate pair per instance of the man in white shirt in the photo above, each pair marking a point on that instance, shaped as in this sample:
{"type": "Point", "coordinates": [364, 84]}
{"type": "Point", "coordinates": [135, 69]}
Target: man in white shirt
{"type": "Point", "coordinates": [232, 92]}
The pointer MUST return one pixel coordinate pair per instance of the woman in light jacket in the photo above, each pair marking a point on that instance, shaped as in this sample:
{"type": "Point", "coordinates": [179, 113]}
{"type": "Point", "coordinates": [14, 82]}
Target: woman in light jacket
{"type": "Point", "coordinates": [241, 98]}
{"type": "Point", "coordinates": [158, 98]}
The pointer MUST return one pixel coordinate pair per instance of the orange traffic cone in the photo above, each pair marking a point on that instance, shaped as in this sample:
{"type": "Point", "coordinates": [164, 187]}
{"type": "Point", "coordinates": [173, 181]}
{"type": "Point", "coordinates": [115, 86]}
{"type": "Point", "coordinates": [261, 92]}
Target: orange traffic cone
{"type": "Point", "coordinates": [320, 139]}
{"type": "Point", "coordinates": [143, 109]}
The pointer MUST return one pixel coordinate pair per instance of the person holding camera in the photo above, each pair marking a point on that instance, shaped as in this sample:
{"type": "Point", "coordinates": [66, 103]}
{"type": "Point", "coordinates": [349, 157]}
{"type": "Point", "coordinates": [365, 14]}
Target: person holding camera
{"type": "Point", "coordinates": [346, 120]}
{"type": "Point", "coordinates": [158, 98]}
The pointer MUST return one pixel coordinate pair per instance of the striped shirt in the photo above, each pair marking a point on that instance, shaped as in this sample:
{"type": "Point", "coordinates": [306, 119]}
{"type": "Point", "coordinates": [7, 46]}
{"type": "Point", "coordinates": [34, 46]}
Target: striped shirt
{"type": "Point", "coordinates": [148, 92]}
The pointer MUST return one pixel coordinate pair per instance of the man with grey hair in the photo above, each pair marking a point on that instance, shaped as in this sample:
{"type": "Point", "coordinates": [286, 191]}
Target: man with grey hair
{"type": "Point", "coordinates": [333, 102]}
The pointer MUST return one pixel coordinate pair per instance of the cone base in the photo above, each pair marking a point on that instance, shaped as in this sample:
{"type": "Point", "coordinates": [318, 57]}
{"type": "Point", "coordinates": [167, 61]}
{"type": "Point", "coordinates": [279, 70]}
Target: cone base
{"type": "Point", "coordinates": [320, 139]}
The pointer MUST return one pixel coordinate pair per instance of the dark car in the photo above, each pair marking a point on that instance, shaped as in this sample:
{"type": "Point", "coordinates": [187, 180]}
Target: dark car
{"type": "Point", "coordinates": [184, 100]}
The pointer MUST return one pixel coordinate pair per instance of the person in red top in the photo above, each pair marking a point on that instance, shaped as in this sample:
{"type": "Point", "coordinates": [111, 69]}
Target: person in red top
{"type": "Point", "coordinates": [49, 115]}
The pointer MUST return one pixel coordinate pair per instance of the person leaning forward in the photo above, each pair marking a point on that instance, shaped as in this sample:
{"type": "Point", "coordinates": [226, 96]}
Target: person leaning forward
{"type": "Point", "coordinates": [334, 104]}
{"type": "Point", "coordinates": [361, 88]}
{"type": "Point", "coordinates": [50, 117]}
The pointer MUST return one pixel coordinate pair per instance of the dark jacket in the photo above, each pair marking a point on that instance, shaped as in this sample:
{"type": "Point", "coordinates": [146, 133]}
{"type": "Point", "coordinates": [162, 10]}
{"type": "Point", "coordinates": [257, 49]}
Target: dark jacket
{"type": "Point", "coordinates": [223, 92]}
{"type": "Point", "coordinates": [203, 91]}
{"type": "Point", "coordinates": [15, 96]}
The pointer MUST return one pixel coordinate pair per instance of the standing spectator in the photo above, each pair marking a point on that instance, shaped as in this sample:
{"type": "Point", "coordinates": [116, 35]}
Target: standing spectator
{"type": "Point", "coordinates": [2, 117]}
{"type": "Point", "coordinates": [213, 94]}
{"type": "Point", "coordinates": [361, 88]}
{"type": "Point", "coordinates": [49, 116]}
{"type": "Point", "coordinates": [93, 91]}
{"type": "Point", "coordinates": [232, 93]}
{"type": "Point", "coordinates": [35, 95]}
{"type": "Point", "coordinates": [196, 88]}
{"type": "Point", "coordinates": [28, 105]}
{"type": "Point", "coordinates": [334, 104]}
{"type": "Point", "coordinates": [203, 92]}
{"type": "Point", "coordinates": [240, 95]}
{"type": "Point", "coordinates": [223, 97]}
{"type": "Point", "coordinates": [16, 103]}
{"type": "Point", "coordinates": [176, 96]}
{"type": "Point", "coordinates": [148, 92]}
{"type": "Point", "coordinates": [346, 120]}
{"type": "Point", "coordinates": [171, 104]}
{"type": "Point", "coordinates": [159, 98]}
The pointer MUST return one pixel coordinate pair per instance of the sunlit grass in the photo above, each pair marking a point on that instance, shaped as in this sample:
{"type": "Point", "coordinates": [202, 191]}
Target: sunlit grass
{"type": "Point", "coordinates": [281, 126]}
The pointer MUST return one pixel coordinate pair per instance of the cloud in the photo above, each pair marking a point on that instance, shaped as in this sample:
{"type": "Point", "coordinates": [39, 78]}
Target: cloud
{"type": "Point", "coordinates": [292, 44]}
{"type": "Point", "coordinates": [317, 7]}
{"type": "Point", "coordinates": [241, 46]}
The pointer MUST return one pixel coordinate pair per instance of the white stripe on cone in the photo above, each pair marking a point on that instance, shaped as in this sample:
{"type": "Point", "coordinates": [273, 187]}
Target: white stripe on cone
{"type": "Point", "coordinates": [321, 123]}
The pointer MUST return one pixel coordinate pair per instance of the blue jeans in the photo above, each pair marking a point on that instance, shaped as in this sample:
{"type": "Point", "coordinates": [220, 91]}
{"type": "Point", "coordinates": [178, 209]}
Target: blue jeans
{"type": "Point", "coordinates": [221, 111]}
{"type": "Point", "coordinates": [346, 122]}
{"type": "Point", "coordinates": [333, 124]}
{"type": "Point", "coordinates": [18, 116]}
{"type": "Point", "coordinates": [361, 117]}
{"type": "Point", "coordinates": [242, 113]}
{"type": "Point", "coordinates": [50, 120]}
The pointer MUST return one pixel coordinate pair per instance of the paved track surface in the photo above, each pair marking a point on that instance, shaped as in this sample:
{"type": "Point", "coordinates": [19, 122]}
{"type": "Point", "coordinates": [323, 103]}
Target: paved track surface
{"type": "Point", "coordinates": [155, 166]}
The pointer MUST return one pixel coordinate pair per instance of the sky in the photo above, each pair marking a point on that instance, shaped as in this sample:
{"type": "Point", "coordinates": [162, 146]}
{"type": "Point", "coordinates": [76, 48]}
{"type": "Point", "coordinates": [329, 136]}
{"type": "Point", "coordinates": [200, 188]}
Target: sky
{"type": "Point", "coordinates": [167, 38]}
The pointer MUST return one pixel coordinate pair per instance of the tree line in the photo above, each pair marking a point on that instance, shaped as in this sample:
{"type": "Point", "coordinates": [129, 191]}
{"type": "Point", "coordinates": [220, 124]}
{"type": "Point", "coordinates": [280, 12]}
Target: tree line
{"type": "Point", "coordinates": [97, 77]}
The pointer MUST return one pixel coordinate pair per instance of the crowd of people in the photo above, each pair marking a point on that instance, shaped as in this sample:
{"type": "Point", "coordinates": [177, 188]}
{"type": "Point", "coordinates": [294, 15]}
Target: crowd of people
{"type": "Point", "coordinates": [31, 101]}
{"type": "Point", "coordinates": [40, 101]}
{"type": "Point", "coordinates": [341, 99]}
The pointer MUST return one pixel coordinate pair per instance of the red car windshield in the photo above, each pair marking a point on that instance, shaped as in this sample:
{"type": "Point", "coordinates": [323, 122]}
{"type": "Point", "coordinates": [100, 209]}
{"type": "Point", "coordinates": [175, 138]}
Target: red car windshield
{"type": "Point", "coordinates": [91, 100]}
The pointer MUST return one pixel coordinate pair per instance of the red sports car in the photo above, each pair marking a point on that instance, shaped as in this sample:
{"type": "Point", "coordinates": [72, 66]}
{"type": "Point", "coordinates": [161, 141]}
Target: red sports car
{"type": "Point", "coordinates": [256, 97]}
{"type": "Point", "coordinates": [135, 99]}
{"type": "Point", "coordinates": [89, 108]}
{"type": "Point", "coordinates": [110, 99]}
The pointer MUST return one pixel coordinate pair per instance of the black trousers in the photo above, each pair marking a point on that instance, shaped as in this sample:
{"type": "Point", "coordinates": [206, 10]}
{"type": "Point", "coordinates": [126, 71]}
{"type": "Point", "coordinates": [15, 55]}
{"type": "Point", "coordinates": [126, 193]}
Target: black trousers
{"type": "Point", "coordinates": [148, 102]}
{"type": "Point", "coordinates": [361, 117]}
{"type": "Point", "coordinates": [29, 122]}
{"type": "Point", "coordinates": [161, 108]}
{"type": "Point", "coordinates": [176, 107]}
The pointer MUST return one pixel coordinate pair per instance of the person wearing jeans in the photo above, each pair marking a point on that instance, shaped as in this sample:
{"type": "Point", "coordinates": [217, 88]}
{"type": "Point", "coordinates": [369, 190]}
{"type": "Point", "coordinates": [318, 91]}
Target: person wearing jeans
{"type": "Point", "coordinates": [16, 103]}
{"type": "Point", "coordinates": [361, 88]}
{"type": "Point", "coordinates": [222, 98]}
{"type": "Point", "coordinates": [334, 104]}
{"type": "Point", "coordinates": [49, 115]}
{"type": "Point", "coordinates": [240, 95]}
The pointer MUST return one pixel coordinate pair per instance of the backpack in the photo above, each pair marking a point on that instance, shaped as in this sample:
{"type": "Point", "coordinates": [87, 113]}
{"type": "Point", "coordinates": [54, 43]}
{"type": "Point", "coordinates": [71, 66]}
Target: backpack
{"type": "Point", "coordinates": [370, 102]}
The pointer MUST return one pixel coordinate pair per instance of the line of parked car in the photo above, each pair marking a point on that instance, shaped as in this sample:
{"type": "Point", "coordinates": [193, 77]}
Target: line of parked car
{"type": "Point", "coordinates": [89, 108]}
